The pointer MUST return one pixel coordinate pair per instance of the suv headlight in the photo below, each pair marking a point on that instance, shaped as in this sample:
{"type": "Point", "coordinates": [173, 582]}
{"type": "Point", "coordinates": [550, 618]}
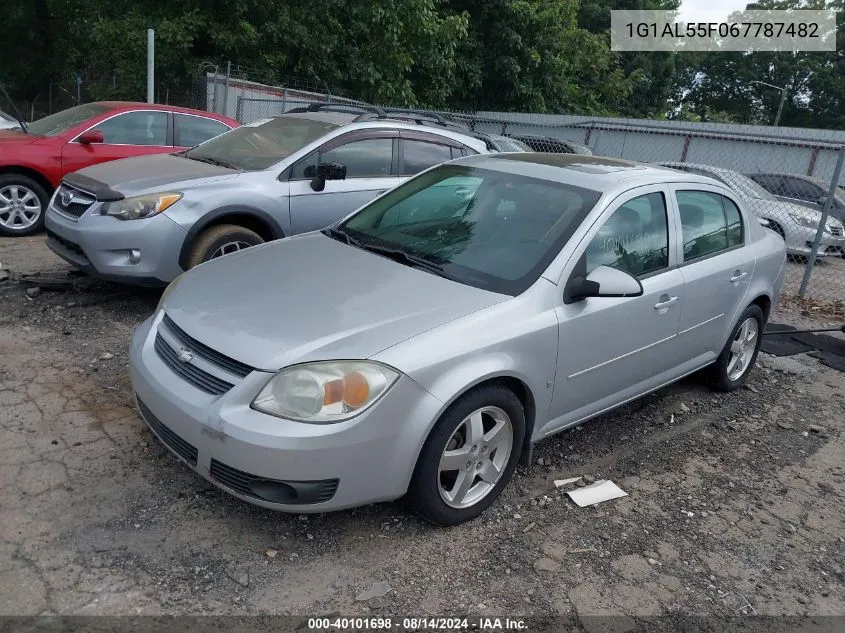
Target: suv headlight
{"type": "Point", "coordinates": [141, 206]}
{"type": "Point", "coordinates": [803, 220]}
{"type": "Point", "coordinates": [325, 392]}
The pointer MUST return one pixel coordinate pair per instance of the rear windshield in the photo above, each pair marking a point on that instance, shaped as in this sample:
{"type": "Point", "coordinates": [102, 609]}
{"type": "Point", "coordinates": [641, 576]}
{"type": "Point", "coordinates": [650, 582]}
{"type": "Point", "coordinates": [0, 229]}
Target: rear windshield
{"type": "Point", "coordinates": [488, 229]}
{"type": "Point", "coordinates": [66, 119]}
{"type": "Point", "coordinates": [261, 144]}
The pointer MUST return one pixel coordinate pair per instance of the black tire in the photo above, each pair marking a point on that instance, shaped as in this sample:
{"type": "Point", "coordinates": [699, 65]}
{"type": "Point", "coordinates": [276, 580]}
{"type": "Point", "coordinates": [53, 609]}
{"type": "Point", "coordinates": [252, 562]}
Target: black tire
{"type": "Point", "coordinates": [24, 182]}
{"type": "Point", "coordinates": [423, 495]}
{"type": "Point", "coordinates": [211, 240]}
{"type": "Point", "coordinates": [717, 373]}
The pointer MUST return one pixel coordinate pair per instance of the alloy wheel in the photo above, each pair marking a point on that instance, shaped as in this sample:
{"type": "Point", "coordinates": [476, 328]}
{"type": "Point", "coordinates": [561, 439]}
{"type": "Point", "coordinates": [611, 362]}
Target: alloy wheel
{"type": "Point", "coordinates": [230, 247]}
{"type": "Point", "coordinates": [742, 348]}
{"type": "Point", "coordinates": [20, 208]}
{"type": "Point", "coordinates": [475, 457]}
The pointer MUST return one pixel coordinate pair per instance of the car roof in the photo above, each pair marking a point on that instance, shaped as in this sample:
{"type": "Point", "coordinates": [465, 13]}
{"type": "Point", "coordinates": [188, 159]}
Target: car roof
{"type": "Point", "coordinates": [352, 121]}
{"type": "Point", "coordinates": [139, 105]}
{"type": "Point", "coordinates": [592, 172]}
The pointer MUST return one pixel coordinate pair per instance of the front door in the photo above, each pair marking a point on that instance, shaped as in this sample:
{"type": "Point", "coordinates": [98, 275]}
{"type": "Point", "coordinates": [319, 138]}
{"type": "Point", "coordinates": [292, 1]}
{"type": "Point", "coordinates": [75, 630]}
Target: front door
{"type": "Point", "coordinates": [370, 170]}
{"type": "Point", "coordinates": [128, 134]}
{"type": "Point", "coordinates": [612, 349]}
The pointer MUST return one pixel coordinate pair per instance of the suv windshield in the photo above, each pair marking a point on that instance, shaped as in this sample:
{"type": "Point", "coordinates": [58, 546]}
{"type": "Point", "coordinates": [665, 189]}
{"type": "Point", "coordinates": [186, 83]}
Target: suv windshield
{"type": "Point", "coordinates": [66, 119]}
{"type": "Point", "coordinates": [260, 144]}
{"type": "Point", "coordinates": [483, 228]}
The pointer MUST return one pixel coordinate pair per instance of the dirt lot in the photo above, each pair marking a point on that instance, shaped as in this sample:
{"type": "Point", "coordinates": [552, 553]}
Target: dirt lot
{"type": "Point", "coordinates": [736, 506]}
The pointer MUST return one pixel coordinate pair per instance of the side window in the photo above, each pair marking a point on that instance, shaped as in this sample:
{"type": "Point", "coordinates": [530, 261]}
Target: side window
{"type": "Point", "coordinates": [145, 127]}
{"type": "Point", "coordinates": [703, 223]}
{"type": "Point", "coordinates": [420, 155]}
{"type": "Point", "coordinates": [366, 158]}
{"type": "Point", "coordinates": [634, 239]}
{"type": "Point", "coordinates": [193, 130]}
{"type": "Point", "coordinates": [734, 222]}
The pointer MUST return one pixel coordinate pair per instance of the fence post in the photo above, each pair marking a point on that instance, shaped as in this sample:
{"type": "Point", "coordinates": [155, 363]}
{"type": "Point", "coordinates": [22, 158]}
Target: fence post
{"type": "Point", "coordinates": [828, 202]}
{"type": "Point", "coordinates": [239, 109]}
{"type": "Point", "coordinates": [151, 65]}
{"type": "Point", "coordinates": [226, 89]}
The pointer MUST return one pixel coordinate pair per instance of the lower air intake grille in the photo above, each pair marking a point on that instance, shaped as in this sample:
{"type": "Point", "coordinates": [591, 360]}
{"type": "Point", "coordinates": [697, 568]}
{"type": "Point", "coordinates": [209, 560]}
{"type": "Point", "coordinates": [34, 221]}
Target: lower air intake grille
{"type": "Point", "coordinates": [274, 490]}
{"type": "Point", "coordinates": [174, 442]}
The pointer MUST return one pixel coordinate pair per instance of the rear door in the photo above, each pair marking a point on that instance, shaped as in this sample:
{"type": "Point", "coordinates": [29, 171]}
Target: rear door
{"type": "Point", "coordinates": [716, 264]}
{"type": "Point", "coordinates": [371, 160]}
{"type": "Point", "coordinates": [127, 134]}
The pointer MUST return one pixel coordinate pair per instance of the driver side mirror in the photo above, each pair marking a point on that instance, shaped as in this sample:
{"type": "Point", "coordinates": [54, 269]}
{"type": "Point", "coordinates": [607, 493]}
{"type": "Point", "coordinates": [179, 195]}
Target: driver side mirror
{"type": "Point", "coordinates": [604, 281]}
{"type": "Point", "coordinates": [319, 174]}
{"type": "Point", "coordinates": [91, 136]}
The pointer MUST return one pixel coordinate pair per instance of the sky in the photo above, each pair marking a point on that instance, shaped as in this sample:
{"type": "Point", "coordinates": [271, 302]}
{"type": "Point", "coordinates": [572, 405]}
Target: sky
{"type": "Point", "coordinates": [725, 7]}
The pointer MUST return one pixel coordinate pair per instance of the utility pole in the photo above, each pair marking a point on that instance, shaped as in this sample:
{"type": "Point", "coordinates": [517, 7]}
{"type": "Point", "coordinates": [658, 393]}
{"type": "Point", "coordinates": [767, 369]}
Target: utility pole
{"type": "Point", "coordinates": [151, 66]}
{"type": "Point", "coordinates": [783, 91]}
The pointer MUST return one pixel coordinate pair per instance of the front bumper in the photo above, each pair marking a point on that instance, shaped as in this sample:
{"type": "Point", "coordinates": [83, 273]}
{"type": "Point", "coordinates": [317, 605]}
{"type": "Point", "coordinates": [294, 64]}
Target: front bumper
{"type": "Point", "coordinates": [102, 246]}
{"type": "Point", "coordinates": [277, 463]}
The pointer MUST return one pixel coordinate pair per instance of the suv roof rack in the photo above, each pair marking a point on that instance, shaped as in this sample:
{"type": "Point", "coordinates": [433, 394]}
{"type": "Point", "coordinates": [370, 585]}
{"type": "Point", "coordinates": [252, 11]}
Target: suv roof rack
{"type": "Point", "coordinates": [369, 113]}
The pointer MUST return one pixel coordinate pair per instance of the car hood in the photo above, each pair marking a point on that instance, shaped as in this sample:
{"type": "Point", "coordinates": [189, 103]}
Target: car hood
{"type": "Point", "coordinates": [310, 297]}
{"type": "Point", "coordinates": [148, 174]}
{"type": "Point", "coordinates": [16, 137]}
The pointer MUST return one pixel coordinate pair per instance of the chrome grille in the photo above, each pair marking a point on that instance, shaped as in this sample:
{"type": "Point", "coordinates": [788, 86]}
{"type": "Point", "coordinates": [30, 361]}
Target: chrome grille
{"type": "Point", "coordinates": [216, 358]}
{"type": "Point", "coordinates": [200, 378]}
{"type": "Point", "coordinates": [836, 231]}
{"type": "Point", "coordinates": [72, 202]}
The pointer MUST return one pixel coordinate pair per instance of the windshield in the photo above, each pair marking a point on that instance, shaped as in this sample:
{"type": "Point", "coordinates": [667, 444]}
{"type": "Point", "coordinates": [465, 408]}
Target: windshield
{"type": "Point", "coordinates": [260, 144]}
{"type": "Point", "coordinates": [483, 228]}
{"type": "Point", "coordinates": [65, 120]}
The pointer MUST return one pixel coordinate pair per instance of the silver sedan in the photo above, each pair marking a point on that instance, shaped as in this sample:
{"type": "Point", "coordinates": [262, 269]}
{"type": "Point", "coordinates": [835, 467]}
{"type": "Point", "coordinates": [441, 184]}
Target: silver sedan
{"type": "Point", "coordinates": [421, 346]}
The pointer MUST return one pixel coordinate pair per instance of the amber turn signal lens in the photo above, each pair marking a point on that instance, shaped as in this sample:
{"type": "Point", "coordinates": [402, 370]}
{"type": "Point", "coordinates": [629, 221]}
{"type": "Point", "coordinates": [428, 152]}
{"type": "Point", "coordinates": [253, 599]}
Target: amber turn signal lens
{"type": "Point", "coordinates": [356, 389]}
{"type": "Point", "coordinates": [333, 391]}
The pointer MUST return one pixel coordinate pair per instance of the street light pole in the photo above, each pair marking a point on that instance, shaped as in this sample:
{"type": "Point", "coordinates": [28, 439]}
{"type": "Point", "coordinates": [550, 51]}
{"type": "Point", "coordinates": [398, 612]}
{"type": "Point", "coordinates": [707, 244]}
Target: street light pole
{"type": "Point", "coordinates": [783, 91]}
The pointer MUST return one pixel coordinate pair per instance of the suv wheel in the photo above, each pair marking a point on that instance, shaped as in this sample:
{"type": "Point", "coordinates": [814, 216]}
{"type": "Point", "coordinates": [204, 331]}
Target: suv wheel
{"type": "Point", "coordinates": [469, 456]}
{"type": "Point", "coordinates": [221, 240]}
{"type": "Point", "coordinates": [22, 205]}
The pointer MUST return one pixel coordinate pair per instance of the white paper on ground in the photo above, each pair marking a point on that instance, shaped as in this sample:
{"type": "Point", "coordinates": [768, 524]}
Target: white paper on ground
{"type": "Point", "coordinates": [566, 482]}
{"type": "Point", "coordinates": [603, 490]}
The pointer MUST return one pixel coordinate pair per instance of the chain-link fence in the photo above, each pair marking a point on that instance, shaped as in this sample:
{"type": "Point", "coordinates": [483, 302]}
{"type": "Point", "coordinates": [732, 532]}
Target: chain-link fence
{"type": "Point", "coordinates": [790, 179]}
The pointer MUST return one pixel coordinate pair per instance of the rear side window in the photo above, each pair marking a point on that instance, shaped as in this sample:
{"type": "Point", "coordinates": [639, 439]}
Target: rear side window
{"type": "Point", "coordinates": [194, 130]}
{"type": "Point", "coordinates": [710, 223]}
{"type": "Point", "coordinates": [420, 155]}
{"type": "Point", "coordinates": [144, 127]}
{"type": "Point", "coordinates": [734, 222]}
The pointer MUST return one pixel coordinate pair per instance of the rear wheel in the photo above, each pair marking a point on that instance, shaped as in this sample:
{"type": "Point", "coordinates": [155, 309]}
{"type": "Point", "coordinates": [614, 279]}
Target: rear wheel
{"type": "Point", "coordinates": [22, 205]}
{"type": "Point", "coordinates": [469, 457]}
{"type": "Point", "coordinates": [221, 240]}
{"type": "Point", "coordinates": [734, 364]}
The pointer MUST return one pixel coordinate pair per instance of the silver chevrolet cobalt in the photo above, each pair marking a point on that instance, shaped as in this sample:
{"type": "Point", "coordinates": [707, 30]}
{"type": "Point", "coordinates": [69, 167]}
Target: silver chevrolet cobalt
{"type": "Point", "coordinates": [421, 346]}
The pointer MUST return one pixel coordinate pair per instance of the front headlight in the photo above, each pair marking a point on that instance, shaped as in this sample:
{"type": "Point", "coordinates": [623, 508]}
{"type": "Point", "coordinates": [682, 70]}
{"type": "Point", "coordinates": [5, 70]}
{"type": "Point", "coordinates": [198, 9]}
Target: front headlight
{"type": "Point", "coordinates": [803, 220]}
{"type": "Point", "coordinates": [141, 206]}
{"type": "Point", "coordinates": [323, 392]}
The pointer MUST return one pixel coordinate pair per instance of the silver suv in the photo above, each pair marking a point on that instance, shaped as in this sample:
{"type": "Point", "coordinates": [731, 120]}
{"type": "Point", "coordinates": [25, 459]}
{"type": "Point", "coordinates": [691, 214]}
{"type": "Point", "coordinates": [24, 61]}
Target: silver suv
{"type": "Point", "coordinates": [146, 220]}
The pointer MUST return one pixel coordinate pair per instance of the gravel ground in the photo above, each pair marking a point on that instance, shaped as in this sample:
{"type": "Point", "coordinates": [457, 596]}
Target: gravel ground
{"type": "Point", "coordinates": [735, 503]}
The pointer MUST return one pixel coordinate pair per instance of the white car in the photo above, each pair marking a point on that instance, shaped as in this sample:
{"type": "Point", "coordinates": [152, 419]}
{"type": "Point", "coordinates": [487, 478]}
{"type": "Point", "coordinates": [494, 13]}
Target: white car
{"type": "Point", "coordinates": [8, 122]}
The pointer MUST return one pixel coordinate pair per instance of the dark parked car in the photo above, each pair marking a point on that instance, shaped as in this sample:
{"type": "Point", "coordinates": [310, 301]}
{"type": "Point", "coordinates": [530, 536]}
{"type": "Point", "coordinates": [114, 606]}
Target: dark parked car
{"type": "Point", "coordinates": [553, 145]}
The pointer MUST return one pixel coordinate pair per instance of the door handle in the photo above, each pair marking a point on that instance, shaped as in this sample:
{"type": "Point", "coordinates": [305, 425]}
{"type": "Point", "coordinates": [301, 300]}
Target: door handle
{"type": "Point", "coordinates": [662, 305]}
{"type": "Point", "coordinates": [738, 276]}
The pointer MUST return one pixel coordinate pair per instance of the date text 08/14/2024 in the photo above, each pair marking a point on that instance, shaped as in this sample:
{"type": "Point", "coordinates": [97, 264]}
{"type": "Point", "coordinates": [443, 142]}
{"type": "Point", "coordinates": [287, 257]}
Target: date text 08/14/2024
{"type": "Point", "coordinates": [417, 624]}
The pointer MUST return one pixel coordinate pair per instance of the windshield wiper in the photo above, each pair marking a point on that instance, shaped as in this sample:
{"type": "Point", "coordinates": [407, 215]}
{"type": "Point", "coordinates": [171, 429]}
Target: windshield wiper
{"type": "Point", "coordinates": [404, 257]}
{"type": "Point", "coordinates": [337, 234]}
{"type": "Point", "coordinates": [212, 161]}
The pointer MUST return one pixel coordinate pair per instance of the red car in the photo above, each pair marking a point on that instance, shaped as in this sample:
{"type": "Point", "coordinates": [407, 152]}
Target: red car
{"type": "Point", "coordinates": [32, 163]}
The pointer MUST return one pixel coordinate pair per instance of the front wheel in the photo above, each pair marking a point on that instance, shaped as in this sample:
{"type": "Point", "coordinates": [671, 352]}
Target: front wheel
{"type": "Point", "coordinates": [469, 456]}
{"type": "Point", "coordinates": [734, 364]}
{"type": "Point", "coordinates": [22, 205]}
{"type": "Point", "coordinates": [221, 240]}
